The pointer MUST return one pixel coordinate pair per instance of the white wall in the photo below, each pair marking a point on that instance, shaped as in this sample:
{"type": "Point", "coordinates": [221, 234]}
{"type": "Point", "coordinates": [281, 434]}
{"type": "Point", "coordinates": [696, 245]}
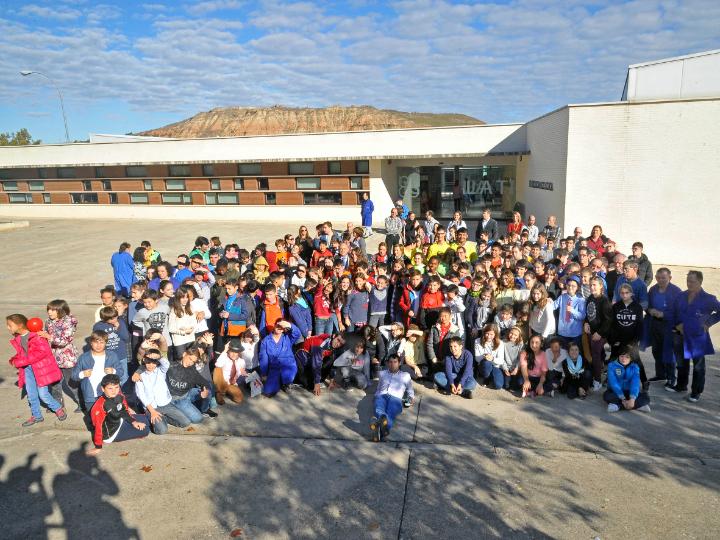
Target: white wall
{"type": "Point", "coordinates": [547, 139]}
{"type": "Point", "coordinates": [648, 172]}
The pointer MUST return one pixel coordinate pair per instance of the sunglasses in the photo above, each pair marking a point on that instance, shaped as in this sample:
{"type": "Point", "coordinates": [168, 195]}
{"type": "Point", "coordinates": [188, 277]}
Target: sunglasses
{"type": "Point", "coordinates": [181, 263]}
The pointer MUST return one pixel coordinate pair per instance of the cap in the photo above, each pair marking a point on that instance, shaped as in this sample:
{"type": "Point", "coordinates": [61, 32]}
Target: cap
{"type": "Point", "coordinates": [235, 346]}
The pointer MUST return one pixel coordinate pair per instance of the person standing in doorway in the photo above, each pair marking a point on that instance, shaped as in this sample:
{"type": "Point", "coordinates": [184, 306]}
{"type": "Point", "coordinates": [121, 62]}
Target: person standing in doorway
{"type": "Point", "coordinates": [366, 211]}
{"type": "Point", "coordinates": [487, 225]}
{"type": "Point", "coordinates": [458, 196]}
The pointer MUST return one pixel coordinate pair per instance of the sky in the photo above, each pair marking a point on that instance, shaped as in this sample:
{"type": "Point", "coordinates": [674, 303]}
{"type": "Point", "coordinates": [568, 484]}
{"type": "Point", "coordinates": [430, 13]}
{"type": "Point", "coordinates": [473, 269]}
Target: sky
{"type": "Point", "coordinates": [129, 66]}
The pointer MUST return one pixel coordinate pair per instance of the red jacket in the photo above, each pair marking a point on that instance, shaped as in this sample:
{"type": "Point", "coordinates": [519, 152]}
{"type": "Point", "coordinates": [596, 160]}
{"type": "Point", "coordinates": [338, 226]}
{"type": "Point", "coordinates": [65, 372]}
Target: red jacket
{"type": "Point", "coordinates": [405, 303]}
{"type": "Point", "coordinates": [39, 356]}
{"type": "Point", "coordinates": [315, 341]}
{"type": "Point", "coordinates": [434, 300]}
{"type": "Point", "coordinates": [97, 417]}
{"type": "Point", "coordinates": [598, 246]}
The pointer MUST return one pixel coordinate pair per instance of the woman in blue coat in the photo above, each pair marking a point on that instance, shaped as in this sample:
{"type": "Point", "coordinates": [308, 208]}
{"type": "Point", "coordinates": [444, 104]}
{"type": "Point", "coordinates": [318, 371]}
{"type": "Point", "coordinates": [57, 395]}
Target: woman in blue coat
{"type": "Point", "coordinates": [366, 211]}
{"type": "Point", "coordinates": [276, 358]}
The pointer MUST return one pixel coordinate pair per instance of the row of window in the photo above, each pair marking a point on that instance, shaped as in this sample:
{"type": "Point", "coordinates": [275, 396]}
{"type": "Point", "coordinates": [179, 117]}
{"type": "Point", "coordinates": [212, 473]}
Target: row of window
{"type": "Point", "coordinates": [322, 197]}
{"type": "Point", "coordinates": [179, 185]}
{"type": "Point", "coordinates": [244, 169]}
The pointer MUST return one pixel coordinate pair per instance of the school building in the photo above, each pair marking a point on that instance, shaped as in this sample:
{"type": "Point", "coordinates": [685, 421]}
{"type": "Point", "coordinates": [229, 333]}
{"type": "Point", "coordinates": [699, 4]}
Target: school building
{"type": "Point", "coordinates": [646, 168]}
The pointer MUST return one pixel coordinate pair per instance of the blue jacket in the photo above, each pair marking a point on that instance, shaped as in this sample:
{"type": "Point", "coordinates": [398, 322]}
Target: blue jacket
{"type": "Point", "coordinates": [154, 283]}
{"type": "Point", "coordinates": [459, 369]}
{"type": "Point", "coordinates": [124, 272]}
{"type": "Point", "coordinates": [86, 361]}
{"type": "Point", "coordinates": [624, 379]}
{"type": "Point", "coordinates": [573, 327]}
{"type": "Point", "coordinates": [237, 312]}
{"type": "Point", "coordinates": [118, 340]}
{"type": "Point", "coordinates": [640, 292]}
{"type": "Point", "coordinates": [366, 211]}
{"type": "Point", "coordinates": [671, 295]}
{"type": "Point", "coordinates": [275, 355]}
{"type": "Point", "coordinates": [356, 307]}
{"type": "Point", "coordinates": [703, 311]}
{"type": "Point", "coordinates": [302, 317]}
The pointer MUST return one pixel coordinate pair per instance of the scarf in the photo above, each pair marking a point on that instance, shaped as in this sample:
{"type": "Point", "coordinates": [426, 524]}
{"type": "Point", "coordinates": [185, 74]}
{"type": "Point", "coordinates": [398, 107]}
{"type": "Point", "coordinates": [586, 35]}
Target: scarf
{"type": "Point", "coordinates": [575, 368]}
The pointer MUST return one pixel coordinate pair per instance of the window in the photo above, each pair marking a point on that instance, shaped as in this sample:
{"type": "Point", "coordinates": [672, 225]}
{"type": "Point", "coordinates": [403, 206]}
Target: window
{"type": "Point", "coordinates": [100, 172]}
{"type": "Point", "coordinates": [179, 170]}
{"type": "Point", "coordinates": [214, 183]}
{"type": "Point", "coordinates": [5, 174]}
{"type": "Point", "coordinates": [175, 185]}
{"type": "Point", "coordinates": [176, 198]}
{"type": "Point", "coordinates": [147, 184]}
{"type": "Point", "coordinates": [249, 169]}
{"type": "Point", "coordinates": [263, 183]}
{"type": "Point", "coordinates": [307, 183]}
{"type": "Point", "coordinates": [139, 198]}
{"type": "Point", "coordinates": [221, 198]}
{"type": "Point", "coordinates": [20, 198]}
{"type": "Point", "coordinates": [302, 167]}
{"type": "Point", "coordinates": [333, 167]}
{"type": "Point", "coordinates": [113, 198]}
{"type": "Point", "coordinates": [208, 170]}
{"type": "Point", "coordinates": [87, 185]}
{"type": "Point", "coordinates": [43, 173]}
{"type": "Point", "coordinates": [10, 186]}
{"type": "Point", "coordinates": [322, 197]}
{"type": "Point", "coordinates": [356, 182]}
{"type": "Point", "coordinates": [270, 198]}
{"type": "Point", "coordinates": [362, 166]}
{"type": "Point", "coordinates": [136, 170]}
{"type": "Point", "coordinates": [46, 198]}
{"type": "Point", "coordinates": [239, 184]}
{"type": "Point", "coordinates": [84, 198]}
{"type": "Point", "coordinates": [64, 172]}
{"type": "Point", "coordinates": [106, 185]}
{"type": "Point", "coordinates": [36, 185]}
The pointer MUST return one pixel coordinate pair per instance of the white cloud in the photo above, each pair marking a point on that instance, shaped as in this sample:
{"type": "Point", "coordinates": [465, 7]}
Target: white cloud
{"type": "Point", "coordinates": [202, 8]}
{"type": "Point", "coordinates": [57, 13]}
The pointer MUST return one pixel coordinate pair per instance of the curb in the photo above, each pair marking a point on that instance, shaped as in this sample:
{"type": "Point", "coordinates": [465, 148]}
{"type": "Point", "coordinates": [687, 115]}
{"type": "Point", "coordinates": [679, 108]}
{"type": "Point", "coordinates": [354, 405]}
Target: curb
{"type": "Point", "coordinates": [10, 225]}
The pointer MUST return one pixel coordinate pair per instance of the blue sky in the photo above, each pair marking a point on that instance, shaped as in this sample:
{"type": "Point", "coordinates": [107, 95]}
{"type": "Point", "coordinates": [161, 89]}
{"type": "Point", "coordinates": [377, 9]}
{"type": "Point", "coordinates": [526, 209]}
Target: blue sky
{"type": "Point", "coordinates": [133, 65]}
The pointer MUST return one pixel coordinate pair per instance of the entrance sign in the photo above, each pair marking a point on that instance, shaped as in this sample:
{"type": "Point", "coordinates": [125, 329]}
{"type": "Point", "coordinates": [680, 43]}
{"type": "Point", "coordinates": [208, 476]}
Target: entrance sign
{"type": "Point", "coordinates": [541, 185]}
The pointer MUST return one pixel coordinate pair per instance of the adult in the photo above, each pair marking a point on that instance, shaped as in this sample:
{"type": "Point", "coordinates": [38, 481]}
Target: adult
{"type": "Point", "coordinates": [123, 269]}
{"type": "Point", "coordinates": [487, 225]}
{"type": "Point", "coordinates": [645, 269]}
{"type": "Point", "coordinates": [597, 241]}
{"type": "Point", "coordinates": [657, 331]}
{"type": "Point", "coordinates": [532, 229]}
{"type": "Point", "coordinates": [458, 195]}
{"type": "Point", "coordinates": [630, 276]}
{"type": "Point", "coordinates": [393, 229]}
{"type": "Point", "coordinates": [402, 208]}
{"type": "Point", "coordinates": [457, 223]}
{"type": "Point", "coordinates": [695, 312]}
{"type": "Point", "coordinates": [366, 211]}
{"type": "Point", "coordinates": [202, 248]}
{"type": "Point", "coordinates": [276, 358]}
{"type": "Point", "coordinates": [516, 226]}
{"type": "Point", "coordinates": [552, 229]}
{"type": "Point", "coordinates": [461, 241]}
{"type": "Point", "coordinates": [393, 386]}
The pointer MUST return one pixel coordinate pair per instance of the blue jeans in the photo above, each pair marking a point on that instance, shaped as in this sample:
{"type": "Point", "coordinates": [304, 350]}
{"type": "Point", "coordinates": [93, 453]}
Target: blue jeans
{"type": "Point", "coordinates": [36, 393]}
{"type": "Point", "coordinates": [187, 413]}
{"type": "Point", "coordinates": [128, 431]}
{"type": "Point", "coordinates": [388, 406]}
{"type": "Point", "coordinates": [489, 370]}
{"type": "Point", "coordinates": [201, 403]}
{"type": "Point", "coordinates": [442, 382]}
{"type": "Point", "coordinates": [323, 326]}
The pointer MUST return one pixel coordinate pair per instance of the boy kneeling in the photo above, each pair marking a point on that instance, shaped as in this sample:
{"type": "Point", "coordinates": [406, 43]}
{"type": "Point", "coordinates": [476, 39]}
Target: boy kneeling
{"type": "Point", "coordinates": [111, 418]}
{"type": "Point", "coordinates": [624, 383]}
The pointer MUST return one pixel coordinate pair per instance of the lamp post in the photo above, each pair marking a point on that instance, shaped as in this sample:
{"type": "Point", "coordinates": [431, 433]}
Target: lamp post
{"type": "Point", "coordinates": [62, 103]}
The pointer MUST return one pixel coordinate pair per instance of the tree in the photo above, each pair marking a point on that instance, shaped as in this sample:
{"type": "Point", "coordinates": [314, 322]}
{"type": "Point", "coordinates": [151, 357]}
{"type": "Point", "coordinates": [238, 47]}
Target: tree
{"type": "Point", "coordinates": [19, 138]}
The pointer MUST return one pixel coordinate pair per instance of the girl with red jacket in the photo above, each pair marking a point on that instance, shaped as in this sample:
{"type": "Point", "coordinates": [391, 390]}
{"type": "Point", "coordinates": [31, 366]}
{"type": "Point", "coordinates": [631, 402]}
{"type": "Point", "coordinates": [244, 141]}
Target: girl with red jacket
{"type": "Point", "coordinates": [36, 367]}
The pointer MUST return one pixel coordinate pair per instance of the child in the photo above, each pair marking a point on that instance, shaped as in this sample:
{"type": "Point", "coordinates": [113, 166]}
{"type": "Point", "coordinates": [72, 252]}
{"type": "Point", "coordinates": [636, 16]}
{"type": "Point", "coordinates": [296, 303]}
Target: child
{"type": "Point", "coordinates": [355, 310]}
{"type": "Point", "coordinates": [627, 326]}
{"type": "Point", "coordinates": [271, 309]}
{"type": "Point", "coordinates": [107, 297]}
{"type": "Point", "coordinates": [117, 333]}
{"type": "Point", "coordinates": [431, 302]}
{"type": "Point", "coordinates": [513, 347]}
{"type": "Point", "coordinates": [577, 373]}
{"type": "Point", "coordinates": [410, 297]}
{"type": "Point", "coordinates": [457, 377]}
{"type": "Point", "coordinates": [182, 322]}
{"type": "Point", "coordinates": [299, 310]}
{"type": "Point", "coordinates": [414, 353]}
{"type": "Point", "coordinates": [455, 302]}
{"type": "Point", "coordinates": [93, 365]}
{"type": "Point", "coordinates": [378, 302]}
{"type": "Point", "coordinates": [229, 374]}
{"type": "Point", "coordinates": [555, 356]}
{"type": "Point", "coordinates": [152, 390]}
{"type": "Point", "coordinates": [60, 328]}
{"type": "Point", "coordinates": [153, 315]}
{"type": "Point", "coordinates": [533, 367]}
{"type": "Point", "coordinates": [571, 312]}
{"type": "Point", "coordinates": [111, 418]}
{"type": "Point", "coordinates": [321, 253]}
{"type": "Point", "coordinates": [234, 311]}
{"type": "Point", "coordinates": [490, 357]}
{"type": "Point", "coordinates": [623, 391]}
{"type": "Point", "coordinates": [418, 262]}
{"type": "Point", "coordinates": [504, 320]}
{"type": "Point", "coordinates": [37, 368]}
{"type": "Point", "coordinates": [352, 368]}
{"type": "Point", "coordinates": [249, 345]}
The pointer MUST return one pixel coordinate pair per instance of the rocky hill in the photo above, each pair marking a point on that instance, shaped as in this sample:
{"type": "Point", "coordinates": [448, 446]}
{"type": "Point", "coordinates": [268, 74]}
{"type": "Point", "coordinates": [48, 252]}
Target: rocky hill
{"type": "Point", "coordinates": [238, 121]}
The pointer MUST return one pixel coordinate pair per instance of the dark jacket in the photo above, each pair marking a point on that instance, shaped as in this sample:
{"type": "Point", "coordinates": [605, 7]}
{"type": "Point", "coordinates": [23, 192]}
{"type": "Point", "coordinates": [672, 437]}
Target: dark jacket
{"type": "Point", "coordinates": [598, 314]}
{"type": "Point", "coordinates": [433, 351]}
{"type": "Point", "coordinates": [491, 228]}
{"type": "Point", "coordinates": [627, 323]}
{"type": "Point", "coordinates": [645, 269]}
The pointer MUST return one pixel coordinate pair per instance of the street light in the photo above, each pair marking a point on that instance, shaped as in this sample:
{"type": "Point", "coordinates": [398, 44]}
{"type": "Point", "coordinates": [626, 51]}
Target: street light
{"type": "Point", "coordinates": [62, 103]}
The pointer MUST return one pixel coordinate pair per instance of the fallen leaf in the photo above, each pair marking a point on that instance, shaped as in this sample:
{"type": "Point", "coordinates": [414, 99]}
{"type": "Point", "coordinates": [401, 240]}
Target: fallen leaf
{"type": "Point", "coordinates": [373, 526]}
{"type": "Point", "coordinates": [125, 454]}
{"type": "Point", "coordinates": [235, 533]}
{"type": "Point", "coordinates": [190, 429]}
{"type": "Point", "coordinates": [146, 468]}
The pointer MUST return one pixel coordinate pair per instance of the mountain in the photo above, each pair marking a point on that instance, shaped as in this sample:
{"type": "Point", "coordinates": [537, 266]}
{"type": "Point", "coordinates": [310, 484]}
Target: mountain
{"type": "Point", "coordinates": [238, 121]}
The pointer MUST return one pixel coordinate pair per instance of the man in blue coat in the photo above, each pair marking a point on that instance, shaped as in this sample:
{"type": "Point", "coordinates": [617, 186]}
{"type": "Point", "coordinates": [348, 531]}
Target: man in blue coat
{"type": "Point", "coordinates": [276, 358]}
{"type": "Point", "coordinates": [123, 269]}
{"type": "Point", "coordinates": [695, 312]}
{"type": "Point", "coordinates": [366, 211]}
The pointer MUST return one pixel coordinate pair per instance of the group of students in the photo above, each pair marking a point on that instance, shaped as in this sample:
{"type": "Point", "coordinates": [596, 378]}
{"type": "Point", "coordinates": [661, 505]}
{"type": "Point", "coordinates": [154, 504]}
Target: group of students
{"type": "Point", "coordinates": [528, 311]}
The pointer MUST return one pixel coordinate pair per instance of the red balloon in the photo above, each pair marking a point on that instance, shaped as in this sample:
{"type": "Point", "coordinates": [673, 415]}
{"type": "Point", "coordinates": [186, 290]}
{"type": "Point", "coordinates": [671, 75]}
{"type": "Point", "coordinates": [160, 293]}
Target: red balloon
{"type": "Point", "coordinates": [35, 324]}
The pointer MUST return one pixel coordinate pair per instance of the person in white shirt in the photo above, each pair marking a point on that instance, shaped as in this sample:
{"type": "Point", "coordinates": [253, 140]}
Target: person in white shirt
{"type": "Point", "coordinates": [490, 357]}
{"type": "Point", "coordinates": [181, 322]}
{"type": "Point", "coordinates": [152, 391]}
{"type": "Point", "coordinates": [392, 386]}
{"type": "Point", "coordinates": [200, 309]}
{"type": "Point", "coordinates": [230, 372]}
{"type": "Point", "coordinates": [457, 222]}
{"type": "Point", "coordinates": [249, 343]}
{"type": "Point", "coordinates": [532, 229]}
{"type": "Point", "coordinates": [555, 355]}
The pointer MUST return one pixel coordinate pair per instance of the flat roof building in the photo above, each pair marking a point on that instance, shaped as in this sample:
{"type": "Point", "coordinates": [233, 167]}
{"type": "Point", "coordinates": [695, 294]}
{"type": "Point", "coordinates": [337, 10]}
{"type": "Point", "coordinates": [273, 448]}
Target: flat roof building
{"type": "Point", "coordinates": [644, 169]}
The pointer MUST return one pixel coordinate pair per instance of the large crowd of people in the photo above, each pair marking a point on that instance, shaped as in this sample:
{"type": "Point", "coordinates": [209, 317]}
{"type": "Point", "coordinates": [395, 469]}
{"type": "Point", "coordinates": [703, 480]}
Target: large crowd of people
{"type": "Point", "coordinates": [522, 308]}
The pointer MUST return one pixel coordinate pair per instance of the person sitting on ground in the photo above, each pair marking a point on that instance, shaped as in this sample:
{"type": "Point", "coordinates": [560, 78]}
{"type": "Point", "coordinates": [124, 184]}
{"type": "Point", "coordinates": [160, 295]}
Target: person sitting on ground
{"type": "Point", "coordinates": [457, 378]}
{"type": "Point", "coordinates": [352, 367]}
{"type": "Point", "coordinates": [413, 352]}
{"type": "Point", "coordinates": [276, 358]}
{"type": "Point", "coordinates": [230, 373]}
{"type": "Point", "coordinates": [576, 381]}
{"type": "Point", "coordinates": [490, 357]}
{"type": "Point", "coordinates": [111, 417]}
{"type": "Point", "coordinates": [623, 391]}
{"type": "Point", "coordinates": [393, 385]}
{"type": "Point", "coordinates": [533, 367]}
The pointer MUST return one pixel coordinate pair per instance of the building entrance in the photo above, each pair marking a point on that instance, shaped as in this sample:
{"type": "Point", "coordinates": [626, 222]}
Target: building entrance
{"type": "Point", "coordinates": [469, 189]}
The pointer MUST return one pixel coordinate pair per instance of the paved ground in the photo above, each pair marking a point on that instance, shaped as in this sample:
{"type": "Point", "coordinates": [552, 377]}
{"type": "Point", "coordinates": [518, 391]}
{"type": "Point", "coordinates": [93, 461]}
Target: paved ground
{"type": "Point", "coordinates": [299, 466]}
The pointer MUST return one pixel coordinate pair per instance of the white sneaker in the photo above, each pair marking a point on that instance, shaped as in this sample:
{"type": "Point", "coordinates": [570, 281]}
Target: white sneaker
{"type": "Point", "coordinates": [596, 386]}
{"type": "Point", "coordinates": [612, 407]}
{"type": "Point", "coordinates": [644, 408]}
